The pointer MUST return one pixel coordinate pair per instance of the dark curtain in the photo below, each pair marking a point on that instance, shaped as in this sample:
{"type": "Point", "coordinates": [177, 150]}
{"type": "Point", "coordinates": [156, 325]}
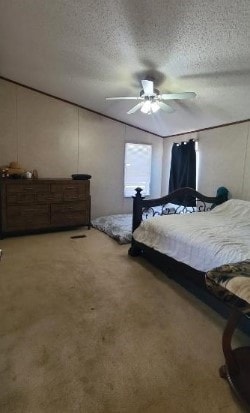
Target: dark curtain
{"type": "Point", "coordinates": [183, 166]}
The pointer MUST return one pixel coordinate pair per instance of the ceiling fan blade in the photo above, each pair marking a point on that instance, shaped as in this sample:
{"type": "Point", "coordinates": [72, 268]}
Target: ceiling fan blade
{"type": "Point", "coordinates": [125, 98]}
{"type": "Point", "coordinates": [184, 95]}
{"type": "Point", "coordinates": [165, 107]}
{"type": "Point", "coordinates": [148, 87]}
{"type": "Point", "coordinates": [135, 108]}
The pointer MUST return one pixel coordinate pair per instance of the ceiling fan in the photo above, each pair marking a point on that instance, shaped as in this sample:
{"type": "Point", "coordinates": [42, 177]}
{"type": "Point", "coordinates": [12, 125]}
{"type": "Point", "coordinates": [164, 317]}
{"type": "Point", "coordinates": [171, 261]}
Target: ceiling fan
{"type": "Point", "coordinates": [151, 100]}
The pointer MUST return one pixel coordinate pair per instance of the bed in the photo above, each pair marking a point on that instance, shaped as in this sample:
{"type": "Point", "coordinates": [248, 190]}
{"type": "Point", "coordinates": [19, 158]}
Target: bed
{"type": "Point", "coordinates": [234, 231]}
{"type": "Point", "coordinates": [201, 240]}
{"type": "Point", "coordinates": [211, 246]}
{"type": "Point", "coordinates": [194, 238]}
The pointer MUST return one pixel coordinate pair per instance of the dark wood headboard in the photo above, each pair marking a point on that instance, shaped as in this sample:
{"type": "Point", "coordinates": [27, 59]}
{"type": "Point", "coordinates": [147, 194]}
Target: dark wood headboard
{"type": "Point", "coordinates": [186, 200]}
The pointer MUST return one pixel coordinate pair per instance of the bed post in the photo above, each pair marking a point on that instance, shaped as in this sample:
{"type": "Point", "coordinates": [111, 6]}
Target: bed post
{"type": "Point", "coordinates": [137, 218]}
{"type": "Point", "coordinates": [137, 209]}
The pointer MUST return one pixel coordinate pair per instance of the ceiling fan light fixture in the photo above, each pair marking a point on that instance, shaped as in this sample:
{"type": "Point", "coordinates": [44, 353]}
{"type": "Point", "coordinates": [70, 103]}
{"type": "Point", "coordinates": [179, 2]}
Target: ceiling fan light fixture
{"type": "Point", "coordinates": [150, 107]}
{"type": "Point", "coordinates": [154, 107]}
{"type": "Point", "coordinates": [146, 107]}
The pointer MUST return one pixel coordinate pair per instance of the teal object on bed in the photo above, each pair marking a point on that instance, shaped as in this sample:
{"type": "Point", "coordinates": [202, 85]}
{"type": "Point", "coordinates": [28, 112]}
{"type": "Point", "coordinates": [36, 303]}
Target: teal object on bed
{"type": "Point", "coordinates": [222, 192]}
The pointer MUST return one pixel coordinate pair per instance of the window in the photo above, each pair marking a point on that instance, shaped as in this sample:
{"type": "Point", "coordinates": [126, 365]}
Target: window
{"type": "Point", "coordinates": [137, 168]}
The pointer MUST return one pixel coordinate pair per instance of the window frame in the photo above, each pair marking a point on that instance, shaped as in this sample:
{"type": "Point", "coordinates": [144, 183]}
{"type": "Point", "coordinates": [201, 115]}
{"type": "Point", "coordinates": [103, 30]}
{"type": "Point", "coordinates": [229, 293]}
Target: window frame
{"type": "Point", "coordinates": [147, 191]}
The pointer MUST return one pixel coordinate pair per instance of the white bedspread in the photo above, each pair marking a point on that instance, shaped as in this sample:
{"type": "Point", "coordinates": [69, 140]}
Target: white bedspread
{"type": "Point", "coordinates": [202, 240]}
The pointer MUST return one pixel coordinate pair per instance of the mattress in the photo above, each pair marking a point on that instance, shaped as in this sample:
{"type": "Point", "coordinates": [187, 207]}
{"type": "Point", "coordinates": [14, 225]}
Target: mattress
{"type": "Point", "coordinates": [202, 240]}
{"type": "Point", "coordinates": [116, 226]}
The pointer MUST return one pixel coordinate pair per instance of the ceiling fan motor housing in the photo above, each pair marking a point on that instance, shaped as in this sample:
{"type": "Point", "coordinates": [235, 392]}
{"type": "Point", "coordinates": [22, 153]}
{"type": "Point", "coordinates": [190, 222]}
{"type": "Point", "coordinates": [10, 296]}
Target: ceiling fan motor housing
{"type": "Point", "coordinates": [143, 95]}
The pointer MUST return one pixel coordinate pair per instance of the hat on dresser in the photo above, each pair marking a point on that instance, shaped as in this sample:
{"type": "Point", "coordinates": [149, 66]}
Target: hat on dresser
{"type": "Point", "coordinates": [15, 168]}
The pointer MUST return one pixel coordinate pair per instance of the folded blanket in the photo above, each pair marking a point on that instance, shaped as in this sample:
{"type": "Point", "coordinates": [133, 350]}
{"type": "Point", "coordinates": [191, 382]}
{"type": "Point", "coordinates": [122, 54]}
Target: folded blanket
{"type": "Point", "coordinates": [231, 283]}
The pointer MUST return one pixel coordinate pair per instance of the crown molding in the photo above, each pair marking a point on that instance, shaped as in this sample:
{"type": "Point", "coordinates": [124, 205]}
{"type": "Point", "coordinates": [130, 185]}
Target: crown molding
{"type": "Point", "coordinates": [210, 127]}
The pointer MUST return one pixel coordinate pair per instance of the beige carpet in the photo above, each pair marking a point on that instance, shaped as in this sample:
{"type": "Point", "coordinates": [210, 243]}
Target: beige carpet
{"type": "Point", "coordinates": [85, 328]}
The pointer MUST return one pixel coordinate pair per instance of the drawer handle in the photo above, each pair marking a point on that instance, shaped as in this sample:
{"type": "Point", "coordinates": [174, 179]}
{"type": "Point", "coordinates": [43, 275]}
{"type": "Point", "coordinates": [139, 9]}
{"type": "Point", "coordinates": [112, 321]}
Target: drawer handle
{"type": "Point", "coordinates": [28, 188]}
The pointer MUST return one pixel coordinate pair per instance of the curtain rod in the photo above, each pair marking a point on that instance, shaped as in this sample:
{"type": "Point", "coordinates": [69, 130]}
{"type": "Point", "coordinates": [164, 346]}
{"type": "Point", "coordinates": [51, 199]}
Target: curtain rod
{"type": "Point", "coordinates": [185, 142]}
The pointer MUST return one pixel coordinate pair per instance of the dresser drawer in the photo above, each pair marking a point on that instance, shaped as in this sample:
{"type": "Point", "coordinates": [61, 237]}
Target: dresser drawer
{"type": "Point", "coordinates": [48, 197]}
{"type": "Point", "coordinates": [76, 213]}
{"type": "Point", "coordinates": [32, 195]}
{"type": "Point", "coordinates": [27, 217]}
{"type": "Point", "coordinates": [27, 188]}
{"type": "Point", "coordinates": [72, 191]}
{"type": "Point", "coordinates": [20, 198]}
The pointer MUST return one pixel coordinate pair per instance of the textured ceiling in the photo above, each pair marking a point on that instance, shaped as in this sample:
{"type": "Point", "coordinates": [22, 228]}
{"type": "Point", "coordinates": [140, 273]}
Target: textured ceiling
{"type": "Point", "coordinates": [84, 51]}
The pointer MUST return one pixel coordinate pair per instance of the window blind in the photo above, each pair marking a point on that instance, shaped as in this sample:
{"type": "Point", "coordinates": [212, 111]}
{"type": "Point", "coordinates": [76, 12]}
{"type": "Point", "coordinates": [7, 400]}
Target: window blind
{"type": "Point", "coordinates": [137, 168]}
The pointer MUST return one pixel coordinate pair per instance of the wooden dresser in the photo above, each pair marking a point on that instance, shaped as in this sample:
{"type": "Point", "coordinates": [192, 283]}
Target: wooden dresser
{"type": "Point", "coordinates": [32, 205]}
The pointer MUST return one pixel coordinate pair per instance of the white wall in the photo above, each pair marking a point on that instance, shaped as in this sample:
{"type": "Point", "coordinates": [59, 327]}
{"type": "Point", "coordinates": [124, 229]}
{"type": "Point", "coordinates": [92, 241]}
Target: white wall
{"type": "Point", "coordinates": [224, 159]}
{"type": "Point", "coordinates": [59, 139]}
